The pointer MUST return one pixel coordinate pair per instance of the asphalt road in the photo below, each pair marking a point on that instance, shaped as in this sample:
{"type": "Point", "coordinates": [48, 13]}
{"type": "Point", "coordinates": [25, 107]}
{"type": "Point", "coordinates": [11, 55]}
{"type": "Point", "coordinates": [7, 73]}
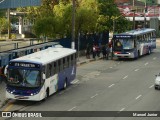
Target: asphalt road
{"type": "Point", "coordinates": [126, 85]}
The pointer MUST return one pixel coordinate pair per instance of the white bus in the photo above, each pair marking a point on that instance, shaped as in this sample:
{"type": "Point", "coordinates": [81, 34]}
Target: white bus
{"type": "Point", "coordinates": [134, 43]}
{"type": "Point", "coordinates": [36, 76]}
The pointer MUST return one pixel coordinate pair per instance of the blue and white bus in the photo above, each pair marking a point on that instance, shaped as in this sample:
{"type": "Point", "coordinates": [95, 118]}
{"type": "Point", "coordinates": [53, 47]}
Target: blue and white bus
{"type": "Point", "coordinates": [134, 43]}
{"type": "Point", "coordinates": [38, 75]}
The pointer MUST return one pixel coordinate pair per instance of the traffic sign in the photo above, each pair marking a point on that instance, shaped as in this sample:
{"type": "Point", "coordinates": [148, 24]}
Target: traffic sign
{"type": "Point", "coordinates": [4, 4]}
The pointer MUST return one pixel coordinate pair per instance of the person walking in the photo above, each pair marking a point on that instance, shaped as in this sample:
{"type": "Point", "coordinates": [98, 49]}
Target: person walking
{"type": "Point", "coordinates": [2, 74]}
{"type": "Point", "coordinates": [97, 50]}
{"type": "Point", "coordinates": [94, 51]}
{"type": "Point", "coordinates": [107, 51]}
{"type": "Point", "coordinates": [104, 51]}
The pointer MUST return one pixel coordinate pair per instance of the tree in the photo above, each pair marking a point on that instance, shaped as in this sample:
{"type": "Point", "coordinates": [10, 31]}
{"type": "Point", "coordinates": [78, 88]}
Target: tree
{"type": "Point", "coordinates": [3, 24]}
{"type": "Point", "coordinates": [86, 16]}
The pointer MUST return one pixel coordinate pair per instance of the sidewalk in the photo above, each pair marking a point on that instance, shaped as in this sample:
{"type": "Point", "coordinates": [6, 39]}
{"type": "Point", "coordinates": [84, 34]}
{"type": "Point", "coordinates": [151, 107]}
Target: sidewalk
{"type": "Point", "coordinates": [3, 100]}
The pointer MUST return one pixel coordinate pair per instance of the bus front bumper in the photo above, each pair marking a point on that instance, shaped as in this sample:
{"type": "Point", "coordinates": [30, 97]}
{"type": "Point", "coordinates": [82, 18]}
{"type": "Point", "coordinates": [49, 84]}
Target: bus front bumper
{"type": "Point", "coordinates": [36, 97]}
{"type": "Point", "coordinates": [126, 55]}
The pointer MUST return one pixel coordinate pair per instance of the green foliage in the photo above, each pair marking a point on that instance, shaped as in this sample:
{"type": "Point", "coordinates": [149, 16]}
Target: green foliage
{"type": "Point", "coordinates": [54, 17]}
{"type": "Point", "coordinates": [86, 16]}
{"type": "Point", "coordinates": [3, 24]}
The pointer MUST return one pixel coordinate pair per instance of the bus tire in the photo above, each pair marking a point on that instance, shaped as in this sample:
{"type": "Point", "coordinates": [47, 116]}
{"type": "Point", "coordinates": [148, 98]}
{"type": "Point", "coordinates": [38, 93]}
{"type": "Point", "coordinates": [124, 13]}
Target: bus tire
{"type": "Point", "coordinates": [47, 94]}
{"type": "Point", "coordinates": [138, 54]}
{"type": "Point", "coordinates": [149, 51]}
{"type": "Point", "coordinates": [65, 84]}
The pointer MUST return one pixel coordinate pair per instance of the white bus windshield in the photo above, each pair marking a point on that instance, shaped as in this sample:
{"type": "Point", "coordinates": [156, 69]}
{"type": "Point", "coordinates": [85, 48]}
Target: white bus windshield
{"type": "Point", "coordinates": [23, 77]}
{"type": "Point", "coordinates": [125, 44]}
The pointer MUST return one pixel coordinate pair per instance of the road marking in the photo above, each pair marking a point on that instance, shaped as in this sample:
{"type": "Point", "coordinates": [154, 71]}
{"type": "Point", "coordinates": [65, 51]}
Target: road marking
{"type": "Point", "coordinates": [125, 77]}
{"type": "Point", "coordinates": [151, 86]}
{"type": "Point", "coordinates": [118, 63]}
{"type": "Point", "coordinates": [138, 97]}
{"type": "Point", "coordinates": [111, 85]}
{"type": "Point", "coordinates": [110, 67]}
{"type": "Point", "coordinates": [154, 58]}
{"type": "Point", "coordinates": [146, 63]}
{"type": "Point", "coordinates": [72, 108]}
{"type": "Point", "coordinates": [94, 96]}
{"type": "Point", "coordinates": [75, 81]}
{"type": "Point", "coordinates": [122, 109]}
{"type": "Point", "coordinates": [8, 107]}
{"type": "Point", "coordinates": [136, 70]}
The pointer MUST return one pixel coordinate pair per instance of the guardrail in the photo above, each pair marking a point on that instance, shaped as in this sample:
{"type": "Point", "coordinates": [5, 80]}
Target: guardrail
{"type": "Point", "coordinates": [16, 44]}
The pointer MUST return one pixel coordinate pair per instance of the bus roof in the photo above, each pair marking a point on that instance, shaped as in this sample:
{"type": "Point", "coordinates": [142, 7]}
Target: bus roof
{"type": "Point", "coordinates": [136, 32]}
{"type": "Point", "coordinates": [46, 56]}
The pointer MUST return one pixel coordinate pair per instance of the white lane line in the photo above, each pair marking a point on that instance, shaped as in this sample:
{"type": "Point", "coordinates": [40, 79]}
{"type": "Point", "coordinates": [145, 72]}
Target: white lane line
{"type": "Point", "coordinates": [138, 97]}
{"type": "Point", "coordinates": [75, 81]}
{"type": "Point", "coordinates": [72, 108]}
{"type": "Point", "coordinates": [125, 77]}
{"type": "Point", "coordinates": [111, 85]}
{"type": "Point", "coordinates": [110, 67]}
{"type": "Point", "coordinates": [118, 63]}
{"type": "Point", "coordinates": [146, 63]}
{"type": "Point", "coordinates": [151, 86]}
{"type": "Point", "coordinates": [154, 58]}
{"type": "Point", "coordinates": [94, 96]}
{"type": "Point", "coordinates": [136, 70]}
{"type": "Point", "coordinates": [122, 109]}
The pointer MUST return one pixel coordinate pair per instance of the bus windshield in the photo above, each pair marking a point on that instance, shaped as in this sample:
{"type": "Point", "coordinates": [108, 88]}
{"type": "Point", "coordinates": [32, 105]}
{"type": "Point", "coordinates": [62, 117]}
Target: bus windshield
{"type": "Point", "coordinates": [23, 77]}
{"type": "Point", "coordinates": [125, 44]}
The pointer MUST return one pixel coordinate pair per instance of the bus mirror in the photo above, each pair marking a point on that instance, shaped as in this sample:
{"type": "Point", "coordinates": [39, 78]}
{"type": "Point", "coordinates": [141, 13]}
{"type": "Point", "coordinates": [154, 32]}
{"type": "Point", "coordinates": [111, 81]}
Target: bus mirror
{"type": "Point", "coordinates": [44, 76]}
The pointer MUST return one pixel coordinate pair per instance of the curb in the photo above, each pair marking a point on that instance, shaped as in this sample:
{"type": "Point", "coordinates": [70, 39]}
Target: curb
{"type": "Point", "coordinates": [87, 61]}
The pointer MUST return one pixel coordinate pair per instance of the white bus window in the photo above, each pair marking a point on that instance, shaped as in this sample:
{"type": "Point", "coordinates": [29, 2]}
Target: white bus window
{"type": "Point", "coordinates": [55, 67]}
{"type": "Point", "coordinates": [49, 71]}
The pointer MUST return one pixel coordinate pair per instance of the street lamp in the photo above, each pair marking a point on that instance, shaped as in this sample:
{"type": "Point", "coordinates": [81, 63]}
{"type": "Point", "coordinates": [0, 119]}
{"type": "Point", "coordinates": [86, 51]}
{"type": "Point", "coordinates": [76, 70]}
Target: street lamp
{"type": "Point", "coordinates": [145, 10]}
{"type": "Point", "coordinates": [73, 25]}
{"type": "Point", "coordinates": [9, 22]}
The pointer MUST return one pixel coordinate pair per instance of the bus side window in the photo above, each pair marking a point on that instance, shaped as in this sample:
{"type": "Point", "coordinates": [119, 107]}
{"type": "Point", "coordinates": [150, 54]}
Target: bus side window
{"type": "Point", "coordinates": [49, 71]}
{"type": "Point", "coordinates": [72, 60]}
{"type": "Point", "coordinates": [59, 65]}
{"type": "Point", "coordinates": [75, 58]}
{"type": "Point", "coordinates": [55, 67]}
{"type": "Point", "coordinates": [68, 61]}
{"type": "Point", "coordinates": [64, 63]}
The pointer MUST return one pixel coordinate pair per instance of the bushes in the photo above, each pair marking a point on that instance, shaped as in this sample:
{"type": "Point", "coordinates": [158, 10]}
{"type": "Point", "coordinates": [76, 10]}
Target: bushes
{"type": "Point", "coordinates": [29, 35]}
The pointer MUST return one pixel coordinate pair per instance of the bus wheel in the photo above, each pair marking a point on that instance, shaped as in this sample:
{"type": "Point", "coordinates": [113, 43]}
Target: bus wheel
{"type": "Point", "coordinates": [47, 94]}
{"type": "Point", "coordinates": [65, 84]}
{"type": "Point", "coordinates": [138, 54]}
{"type": "Point", "coordinates": [149, 51]}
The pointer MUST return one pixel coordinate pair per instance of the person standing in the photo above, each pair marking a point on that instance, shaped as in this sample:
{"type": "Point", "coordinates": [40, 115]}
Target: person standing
{"type": "Point", "coordinates": [94, 51]}
{"type": "Point", "coordinates": [107, 51]}
{"type": "Point", "coordinates": [104, 51]}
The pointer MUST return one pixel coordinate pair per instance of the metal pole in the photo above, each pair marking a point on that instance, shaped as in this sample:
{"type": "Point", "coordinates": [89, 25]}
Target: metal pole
{"type": "Point", "coordinates": [73, 25]}
{"type": "Point", "coordinates": [145, 15]}
{"type": "Point", "coordinates": [133, 15]}
{"type": "Point", "coordinates": [78, 44]}
{"type": "Point", "coordinates": [9, 26]}
{"type": "Point", "coordinates": [134, 20]}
